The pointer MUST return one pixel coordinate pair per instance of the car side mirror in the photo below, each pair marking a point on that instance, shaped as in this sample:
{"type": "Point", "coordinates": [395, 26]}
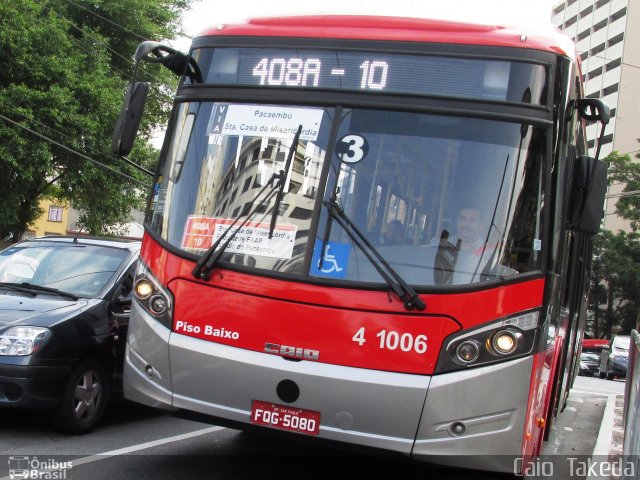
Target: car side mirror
{"type": "Point", "coordinates": [588, 190]}
{"type": "Point", "coordinates": [124, 300]}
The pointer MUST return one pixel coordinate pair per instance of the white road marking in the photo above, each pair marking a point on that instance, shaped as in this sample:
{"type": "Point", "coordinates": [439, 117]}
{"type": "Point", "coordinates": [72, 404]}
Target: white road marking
{"type": "Point", "coordinates": [144, 446]}
{"type": "Point", "coordinates": [138, 447]}
{"type": "Point", "coordinates": [594, 390]}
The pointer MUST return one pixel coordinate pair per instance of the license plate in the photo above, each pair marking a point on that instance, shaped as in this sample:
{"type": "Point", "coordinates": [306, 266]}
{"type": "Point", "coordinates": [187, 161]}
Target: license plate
{"type": "Point", "coordinates": [285, 418]}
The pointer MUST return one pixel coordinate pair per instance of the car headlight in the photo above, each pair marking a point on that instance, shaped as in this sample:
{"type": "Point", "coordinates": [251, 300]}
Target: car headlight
{"type": "Point", "coordinates": [20, 341]}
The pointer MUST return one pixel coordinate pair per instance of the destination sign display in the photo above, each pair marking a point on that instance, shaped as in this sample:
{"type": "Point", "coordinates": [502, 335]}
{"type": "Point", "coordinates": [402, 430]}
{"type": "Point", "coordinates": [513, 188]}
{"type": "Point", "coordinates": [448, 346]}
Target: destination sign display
{"type": "Point", "coordinates": [369, 72]}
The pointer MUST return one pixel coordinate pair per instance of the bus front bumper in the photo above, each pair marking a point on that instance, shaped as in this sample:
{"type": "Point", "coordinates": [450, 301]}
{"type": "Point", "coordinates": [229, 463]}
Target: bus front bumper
{"type": "Point", "coordinates": [470, 419]}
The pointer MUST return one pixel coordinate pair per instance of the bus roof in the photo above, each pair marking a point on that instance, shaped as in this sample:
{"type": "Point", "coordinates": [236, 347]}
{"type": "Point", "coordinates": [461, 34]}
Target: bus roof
{"type": "Point", "coordinates": [539, 37]}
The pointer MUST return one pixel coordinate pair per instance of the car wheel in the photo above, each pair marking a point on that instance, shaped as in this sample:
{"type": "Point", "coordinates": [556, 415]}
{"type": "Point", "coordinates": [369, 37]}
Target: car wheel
{"type": "Point", "coordinates": [610, 375]}
{"type": "Point", "coordinates": [85, 398]}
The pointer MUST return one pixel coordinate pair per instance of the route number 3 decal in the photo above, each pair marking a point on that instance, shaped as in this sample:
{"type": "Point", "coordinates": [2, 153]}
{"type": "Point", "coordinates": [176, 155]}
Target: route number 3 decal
{"type": "Point", "coordinates": [352, 148]}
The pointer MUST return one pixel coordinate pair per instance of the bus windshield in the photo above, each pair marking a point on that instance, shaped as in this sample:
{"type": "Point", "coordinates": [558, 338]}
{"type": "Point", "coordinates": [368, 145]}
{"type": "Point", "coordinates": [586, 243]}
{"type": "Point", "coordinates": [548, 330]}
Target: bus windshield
{"type": "Point", "coordinates": [445, 200]}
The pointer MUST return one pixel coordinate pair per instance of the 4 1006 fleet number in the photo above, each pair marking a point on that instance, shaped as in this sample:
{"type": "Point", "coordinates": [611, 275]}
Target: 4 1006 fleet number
{"type": "Point", "coordinates": [392, 340]}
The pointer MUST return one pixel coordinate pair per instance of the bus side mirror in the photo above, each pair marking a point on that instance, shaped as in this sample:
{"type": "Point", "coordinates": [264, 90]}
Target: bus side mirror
{"type": "Point", "coordinates": [587, 195]}
{"type": "Point", "coordinates": [129, 119]}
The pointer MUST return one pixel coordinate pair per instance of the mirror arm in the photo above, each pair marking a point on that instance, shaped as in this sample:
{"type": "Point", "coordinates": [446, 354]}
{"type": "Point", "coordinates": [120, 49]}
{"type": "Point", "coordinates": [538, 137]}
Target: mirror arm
{"type": "Point", "coordinates": [594, 109]}
{"type": "Point", "coordinates": [135, 165]}
{"type": "Point", "coordinates": [171, 58]}
{"type": "Point", "coordinates": [600, 137]}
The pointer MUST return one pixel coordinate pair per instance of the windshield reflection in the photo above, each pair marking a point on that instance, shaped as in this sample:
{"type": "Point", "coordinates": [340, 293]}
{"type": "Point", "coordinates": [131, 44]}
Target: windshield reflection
{"type": "Point", "coordinates": [448, 201]}
{"type": "Point", "coordinates": [79, 270]}
{"type": "Point", "coordinates": [445, 200]}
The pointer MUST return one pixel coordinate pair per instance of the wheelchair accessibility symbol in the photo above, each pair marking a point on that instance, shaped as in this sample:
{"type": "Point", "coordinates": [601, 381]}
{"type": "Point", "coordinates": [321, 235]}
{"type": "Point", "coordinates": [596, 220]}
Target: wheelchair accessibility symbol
{"type": "Point", "coordinates": [329, 263]}
{"type": "Point", "coordinates": [334, 261]}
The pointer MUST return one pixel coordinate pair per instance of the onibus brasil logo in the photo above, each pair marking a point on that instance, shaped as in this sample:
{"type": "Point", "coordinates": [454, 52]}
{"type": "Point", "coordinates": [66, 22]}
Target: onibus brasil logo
{"type": "Point", "coordinates": [34, 468]}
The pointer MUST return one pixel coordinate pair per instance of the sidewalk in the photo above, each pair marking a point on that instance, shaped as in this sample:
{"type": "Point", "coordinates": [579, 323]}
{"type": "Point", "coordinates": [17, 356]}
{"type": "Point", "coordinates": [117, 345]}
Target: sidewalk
{"type": "Point", "coordinates": [586, 440]}
{"type": "Point", "coordinates": [611, 435]}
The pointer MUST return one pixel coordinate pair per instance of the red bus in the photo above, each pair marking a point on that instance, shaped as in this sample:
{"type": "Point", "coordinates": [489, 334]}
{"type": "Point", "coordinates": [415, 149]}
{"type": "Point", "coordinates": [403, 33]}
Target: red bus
{"type": "Point", "coordinates": [370, 230]}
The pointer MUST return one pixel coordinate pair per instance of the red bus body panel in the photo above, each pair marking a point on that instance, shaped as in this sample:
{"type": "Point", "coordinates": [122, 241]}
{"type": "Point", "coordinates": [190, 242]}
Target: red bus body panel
{"type": "Point", "coordinates": [248, 311]}
{"type": "Point", "coordinates": [536, 409]}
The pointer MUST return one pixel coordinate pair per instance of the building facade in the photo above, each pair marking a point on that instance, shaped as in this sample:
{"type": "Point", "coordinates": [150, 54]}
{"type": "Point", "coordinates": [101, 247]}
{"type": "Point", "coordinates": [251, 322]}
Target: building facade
{"type": "Point", "coordinates": [58, 218]}
{"type": "Point", "coordinates": [610, 50]}
{"type": "Point", "coordinates": [53, 220]}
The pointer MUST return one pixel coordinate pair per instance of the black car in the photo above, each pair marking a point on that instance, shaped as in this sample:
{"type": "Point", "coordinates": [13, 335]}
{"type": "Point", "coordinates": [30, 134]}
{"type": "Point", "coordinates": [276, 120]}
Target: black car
{"type": "Point", "coordinates": [64, 311]}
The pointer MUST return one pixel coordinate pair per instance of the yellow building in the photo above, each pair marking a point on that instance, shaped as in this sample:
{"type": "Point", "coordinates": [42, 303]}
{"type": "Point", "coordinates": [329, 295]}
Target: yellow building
{"type": "Point", "coordinates": [53, 221]}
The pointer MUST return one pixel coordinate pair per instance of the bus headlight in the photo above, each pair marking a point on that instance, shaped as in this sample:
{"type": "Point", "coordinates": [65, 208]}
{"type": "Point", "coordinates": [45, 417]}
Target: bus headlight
{"type": "Point", "coordinates": [468, 351]}
{"type": "Point", "coordinates": [153, 297]}
{"type": "Point", "coordinates": [498, 341]}
{"type": "Point", "coordinates": [158, 304]}
{"type": "Point", "coordinates": [505, 342]}
{"type": "Point", "coordinates": [143, 288]}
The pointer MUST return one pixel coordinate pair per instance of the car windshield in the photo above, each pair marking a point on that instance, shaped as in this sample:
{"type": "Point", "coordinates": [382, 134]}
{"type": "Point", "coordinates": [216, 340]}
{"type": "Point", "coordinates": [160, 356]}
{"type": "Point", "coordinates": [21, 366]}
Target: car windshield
{"type": "Point", "coordinates": [622, 343]}
{"type": "Point", "coordinates": [446, 200]}
{"type": "Point", "coordinates": [79, 269]}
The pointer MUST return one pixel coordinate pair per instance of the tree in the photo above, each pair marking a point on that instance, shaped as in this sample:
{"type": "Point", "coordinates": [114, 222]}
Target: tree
{"type": "Point", "coordinates": [615, 280]}
{"type": "Point", "coordinates": [63, 72]}
{"type": "Point", "coordinates": [623, 169]}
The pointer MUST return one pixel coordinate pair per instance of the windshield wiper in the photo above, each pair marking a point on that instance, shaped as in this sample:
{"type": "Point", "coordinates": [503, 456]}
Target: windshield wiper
{"type": "Point", "coordinates": [31, 287]}
{"type": "Point", "coordinates": [207, 262]}
{"type": "Point", "coordinates": [16, 288]}
{"type": "Point", "coordinates": [282, 178]}
{"type": "Point", "coordinates": [402, 289]}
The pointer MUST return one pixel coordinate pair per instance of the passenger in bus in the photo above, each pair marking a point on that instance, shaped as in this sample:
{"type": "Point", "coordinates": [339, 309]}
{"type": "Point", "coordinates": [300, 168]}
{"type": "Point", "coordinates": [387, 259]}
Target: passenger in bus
{"type": "Point", "coordinates": [394, 235]}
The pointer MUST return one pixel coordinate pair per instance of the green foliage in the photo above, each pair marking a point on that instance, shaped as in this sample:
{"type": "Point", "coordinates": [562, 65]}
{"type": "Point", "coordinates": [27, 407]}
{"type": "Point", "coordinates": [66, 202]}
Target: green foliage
{"type": "Point", "coordinates": [64, 67]}
{"type": "Point", "coordinates": [615, 280]}
{"type": "Point", "coordinates": [623, 169]}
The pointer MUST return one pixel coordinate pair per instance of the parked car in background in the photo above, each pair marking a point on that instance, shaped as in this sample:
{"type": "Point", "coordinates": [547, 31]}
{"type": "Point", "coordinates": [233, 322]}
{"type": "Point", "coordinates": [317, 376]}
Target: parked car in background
{"type": "Point", "coordinates": [594, 345]}
{"type": "Point", "coordinates": [64, 311]}
{"type": "Point", "coordinates": [614, 358]}
{"type": "Point", "coordinates": [590, 355]}
{"type": "Point", "coordinates": [589, 364]}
